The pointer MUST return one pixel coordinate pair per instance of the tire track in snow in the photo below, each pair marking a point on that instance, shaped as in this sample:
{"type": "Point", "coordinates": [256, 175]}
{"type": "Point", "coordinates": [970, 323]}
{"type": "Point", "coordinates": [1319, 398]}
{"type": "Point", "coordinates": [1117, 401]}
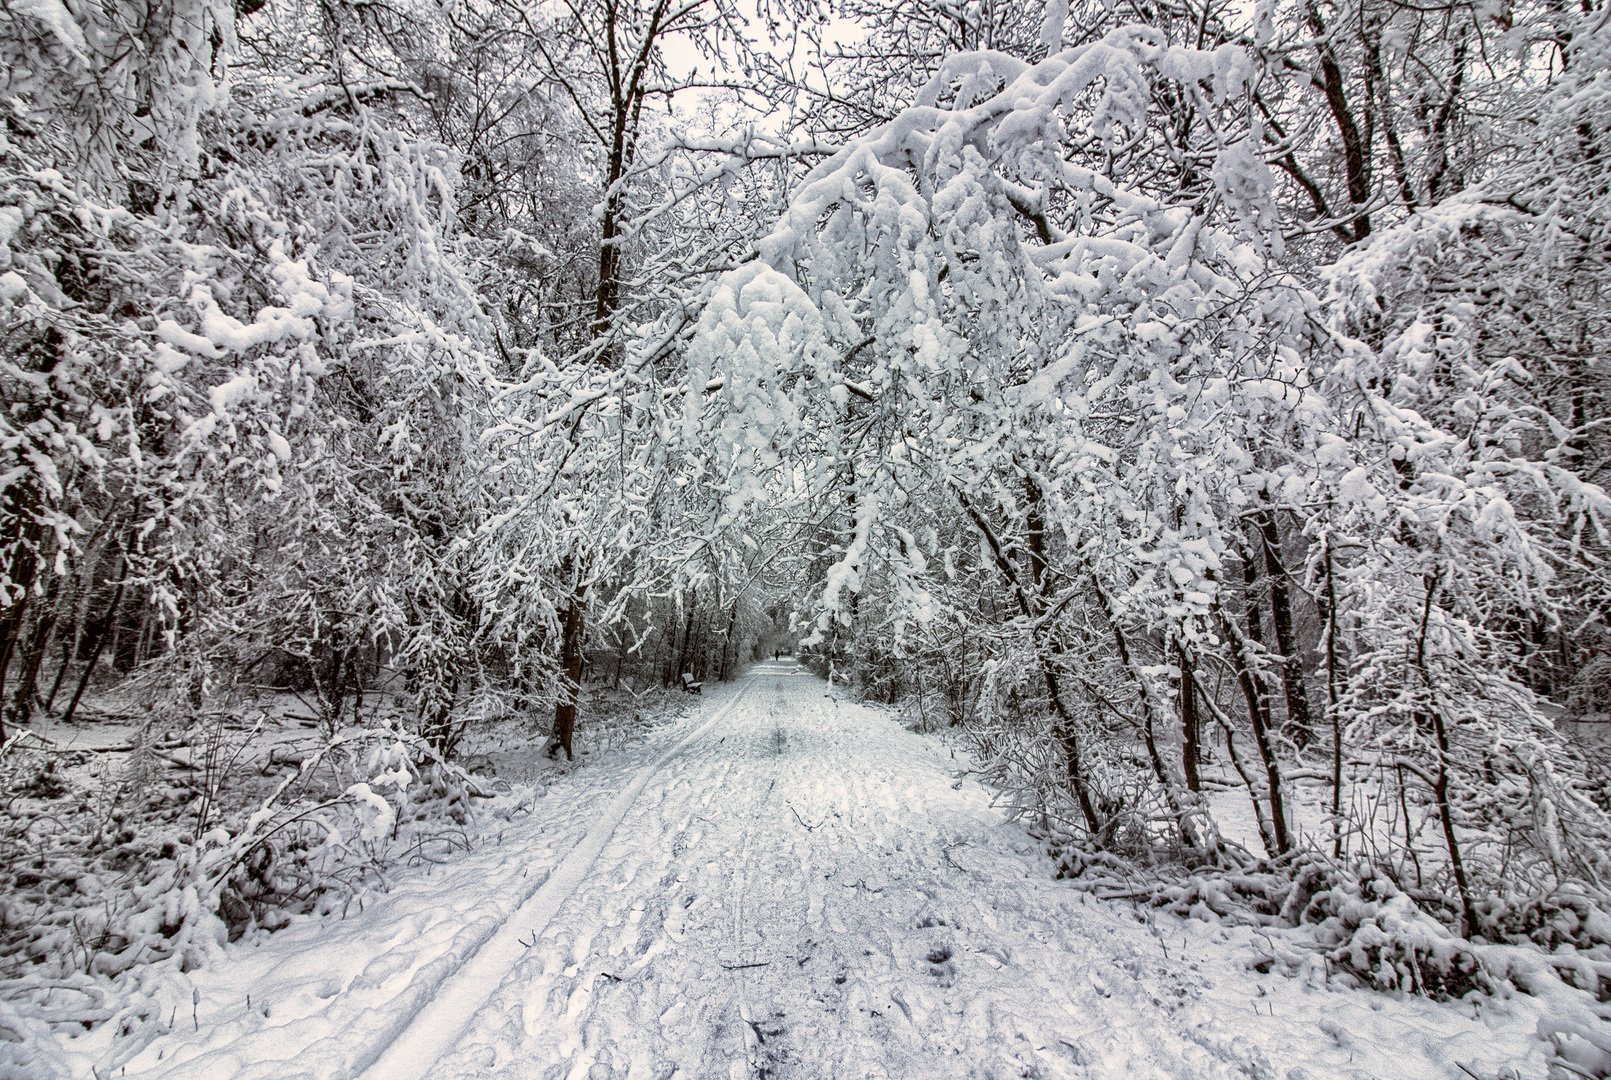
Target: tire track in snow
{"type": "Point", "coordinates": [417, 1042]}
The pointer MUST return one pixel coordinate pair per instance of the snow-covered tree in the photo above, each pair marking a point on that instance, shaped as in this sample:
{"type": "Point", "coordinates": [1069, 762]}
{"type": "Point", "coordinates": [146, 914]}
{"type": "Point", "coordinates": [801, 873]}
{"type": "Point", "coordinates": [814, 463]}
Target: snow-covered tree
{"type": "Point", "coordinates": [1043, 324]}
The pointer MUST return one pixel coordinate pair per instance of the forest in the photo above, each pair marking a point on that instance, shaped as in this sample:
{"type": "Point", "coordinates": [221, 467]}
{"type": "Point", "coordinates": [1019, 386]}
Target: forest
{"type": "Point", "coordinates": [1200, 410]}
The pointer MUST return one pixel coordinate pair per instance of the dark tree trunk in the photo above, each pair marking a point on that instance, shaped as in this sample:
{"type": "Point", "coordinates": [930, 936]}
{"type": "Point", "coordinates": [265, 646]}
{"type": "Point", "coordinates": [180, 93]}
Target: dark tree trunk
{"type": "Point", "coordinates": [1328, 617]}
{"type": "Point", "coordinates": [1431, 718]}
{"type": "Point", "coordinates": [128, 637]}
{"type": "Point", "coordinates": [32, 654]}
{"type": "Point", "coordinates": [1149, 724]}
{"type": "Point", "coordinates": [22, 572]}
{"type": "Point", "coordinates": [690, 623]}
{"type": "Point", "coordinates": [439, 733]}
{"type": "Point", "coordinates": [571, 667]}
{"type": "Point", "coordinates": [1451, 841]}
{"type": "Point", "coordinates": [72, 641]}
{"type": "Point", "coordinates": [1073, 762]}
{"type": "Point", "coordinates": [1063, 729]}
{"type": "Point", "coordinates": [1250, 601]}
{"type": "Point", "coordinates": [1258, 711]}
{"type": "Point", "coordinates": [23, 505]}
{"type": "Point", "coordinates": [730, 644]}
{"type": "Point", "coordinates": [1300, 723]}
{"type": "Point", "coordinates": [103, 632]}
{"type": "Point", "coordinates": [72, 645]}
{"type": "Point", "coordinates": [1191, 754]}
{"type": "Point", "coordinates": [1261, 809]}
{"type": "Point", "coordinates": [1356, 152]}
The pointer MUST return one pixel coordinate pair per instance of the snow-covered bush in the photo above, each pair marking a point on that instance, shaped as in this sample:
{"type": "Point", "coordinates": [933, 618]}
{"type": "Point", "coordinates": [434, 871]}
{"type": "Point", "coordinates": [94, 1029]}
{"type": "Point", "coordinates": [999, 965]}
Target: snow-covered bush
{"type": "Point", "coordinates": [1356, 924]}
{"type": "Point", "coordinates": [107, 881]}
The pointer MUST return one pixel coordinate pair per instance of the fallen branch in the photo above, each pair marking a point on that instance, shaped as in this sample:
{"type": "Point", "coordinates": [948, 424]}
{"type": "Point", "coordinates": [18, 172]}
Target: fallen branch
{"type": "Point", "coordinates": [808, 826]}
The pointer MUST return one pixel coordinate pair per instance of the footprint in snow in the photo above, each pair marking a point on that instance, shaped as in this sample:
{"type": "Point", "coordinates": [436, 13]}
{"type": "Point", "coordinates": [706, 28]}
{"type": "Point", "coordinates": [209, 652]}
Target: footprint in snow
{"type": "Point", "coordinates": [942, 965]}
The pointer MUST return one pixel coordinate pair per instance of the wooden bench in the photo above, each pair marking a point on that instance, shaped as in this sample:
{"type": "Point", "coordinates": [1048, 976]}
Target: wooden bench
{"type": "Point", "coordinates": [689, 685]}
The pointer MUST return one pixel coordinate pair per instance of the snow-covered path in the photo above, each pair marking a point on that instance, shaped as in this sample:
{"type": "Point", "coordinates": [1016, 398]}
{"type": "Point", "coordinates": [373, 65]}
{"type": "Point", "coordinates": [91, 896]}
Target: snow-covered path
{"type": "Point", "coordinates": [786, 884]}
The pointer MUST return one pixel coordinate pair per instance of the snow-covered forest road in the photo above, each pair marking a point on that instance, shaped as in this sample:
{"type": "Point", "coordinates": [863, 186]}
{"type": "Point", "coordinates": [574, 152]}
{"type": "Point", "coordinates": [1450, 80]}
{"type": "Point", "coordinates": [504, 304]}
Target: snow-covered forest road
{"type": "Point", "coordinates": [785, 883]}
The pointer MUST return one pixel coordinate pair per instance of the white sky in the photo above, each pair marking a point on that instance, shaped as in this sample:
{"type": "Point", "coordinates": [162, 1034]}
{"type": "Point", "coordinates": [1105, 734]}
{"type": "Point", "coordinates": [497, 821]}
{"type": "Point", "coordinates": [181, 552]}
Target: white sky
{"type": "Point", "coordinates": [683, 58]}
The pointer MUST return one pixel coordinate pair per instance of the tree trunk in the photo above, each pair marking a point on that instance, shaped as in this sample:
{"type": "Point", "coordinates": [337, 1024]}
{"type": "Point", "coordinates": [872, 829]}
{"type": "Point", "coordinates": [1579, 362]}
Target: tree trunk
{"type": "Point", "coordinates": [128, 632]}
{"type": "Point", "coordinates": [1166, 778]}
{"type": "Point", "coordinates": [668, 648]}
{"type": "Point", "coordinates": [1250, 600]}
{"type": "Point", "coordinates": [22, 573]}
{"type": "Point", "coordinates": [72, 642]}
{"type": "Point", "coordinates": [571, 667]}
{"type": "Point", "coordinates": [1300, 724]}
{"type": "Point", "coordinates": [1440, 792]}
{"type": "Point", "coordinates": [1191, 754]}
{"type": "Point", "coordinates": [1063, 730]}
{"type": "Point", "coordinates": [1073, 762]}
{"type": "Point", "coordinates": [1328, 616]}
{"type": "Point", "coordinates": [1432, 717]}
{"type": "Point", "coordinates": [730, 645]}
{"type": "Point", "coordinates": [1356, 152]}
{"type": "Point", "coordinates": [1261, 809]}
{"type": "Point", "coordinates": [439, 733]}
{"type": "Point", "coordinates": [33, 654]}
{"type": "Point", "coordinates": [686, 656]}
{"type": "Point", "coordinates": [103, 632]}
{"type": "Point", "coordinates": [1258, 711]}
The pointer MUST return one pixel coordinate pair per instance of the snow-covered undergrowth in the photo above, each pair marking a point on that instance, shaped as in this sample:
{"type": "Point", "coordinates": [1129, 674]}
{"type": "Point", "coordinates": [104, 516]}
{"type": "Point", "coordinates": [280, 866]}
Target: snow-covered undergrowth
{"type": "Point", "coordinates": [1318, 919]}
{"type": "Point", "coordinates": [129, 856]}
{"type": "Point", "coordinates": [1352, 926]}
{"type": "Point", "coordinates": [114, 881]}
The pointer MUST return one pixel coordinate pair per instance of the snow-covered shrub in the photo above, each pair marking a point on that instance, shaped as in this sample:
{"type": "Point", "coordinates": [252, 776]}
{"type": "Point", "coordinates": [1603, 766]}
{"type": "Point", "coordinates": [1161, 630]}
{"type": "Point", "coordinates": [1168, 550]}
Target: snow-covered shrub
{"type": "Point", "coordinates": [1355, 923]}
{"type": "Point", "coordinates": [1569, 917]}
{"type": "Point", "coordinates": [1366, 927]}
{"type": "Point", "coordinates": [109, 882]}
{"type": "Point", "coordinates": [1359, 925]}
{"type": "Point", "coordinates": [348, 812]}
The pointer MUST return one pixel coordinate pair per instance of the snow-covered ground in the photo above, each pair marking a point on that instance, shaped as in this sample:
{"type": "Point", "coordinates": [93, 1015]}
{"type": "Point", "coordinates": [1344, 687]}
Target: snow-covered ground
{"type": "Point", "coordinates": [782, 883]}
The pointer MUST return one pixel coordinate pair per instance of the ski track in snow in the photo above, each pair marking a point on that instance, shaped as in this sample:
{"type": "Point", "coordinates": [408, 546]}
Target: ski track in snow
{"type": "Point", "coordinates": [431, 1033]}
{"type": "Point", "coordinates": [787, 884]}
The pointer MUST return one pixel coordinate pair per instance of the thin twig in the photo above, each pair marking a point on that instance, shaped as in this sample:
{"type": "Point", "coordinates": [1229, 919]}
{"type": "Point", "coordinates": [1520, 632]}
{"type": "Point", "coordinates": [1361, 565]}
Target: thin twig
{"type": "Point", "coordinates": [808, 826]}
